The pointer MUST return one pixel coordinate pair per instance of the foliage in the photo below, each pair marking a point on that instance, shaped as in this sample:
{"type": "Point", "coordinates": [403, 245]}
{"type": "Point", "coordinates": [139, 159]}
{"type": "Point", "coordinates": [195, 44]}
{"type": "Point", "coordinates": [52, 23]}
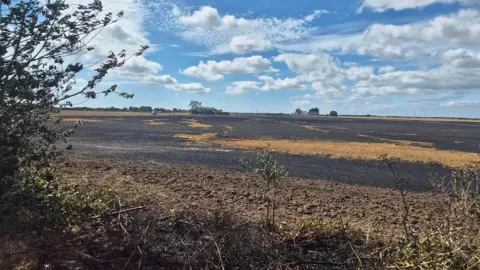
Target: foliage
{"type": "Point", "coordinates": [40, 46]}
{"type": "Point", "coordinates": [197, 108]}
{"type": "Point", "coordinates": [333, 113]}
{"type": "Point", "coordinates": [298, 111]}
{"type": "Point", "coordinates": [266, 165]}
{"type": "Point", "coordinates": [314, 111]}
{"type": "Point", "coordinates": [51, 205]}
{"type": "Point", "coordinates": [448, 246]}
{"type": "Point", "coordinates": [195, 105]}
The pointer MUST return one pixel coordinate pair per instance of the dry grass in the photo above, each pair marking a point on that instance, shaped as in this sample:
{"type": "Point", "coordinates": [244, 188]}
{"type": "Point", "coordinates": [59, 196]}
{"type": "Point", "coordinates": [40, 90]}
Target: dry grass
{"type": "Point", "coordinates": [86, 120]}
{"type": "Point", "coordinates": [315, 128]}
{"type": "Point", "coordinates": [154, 123]}
{"type": "Point", "coordinates": [198, 138]}
{"type": "Point", "coordinates": [399, 142]}
{"type": "Point", "coordinates": [362, 151]}
{"type": "Point", "coordinates": [195, 124]}
{"type": "Point", "coordinates": [228, 127]}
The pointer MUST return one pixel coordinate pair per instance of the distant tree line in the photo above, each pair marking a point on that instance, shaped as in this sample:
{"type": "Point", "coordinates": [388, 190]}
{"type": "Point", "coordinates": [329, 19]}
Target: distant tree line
{"type": "Point", "coordinates": [147, 109]}
{"type": "Point", "coordinates": [197, 108]}
{"type": "Point", "coordinates": [315, 111]}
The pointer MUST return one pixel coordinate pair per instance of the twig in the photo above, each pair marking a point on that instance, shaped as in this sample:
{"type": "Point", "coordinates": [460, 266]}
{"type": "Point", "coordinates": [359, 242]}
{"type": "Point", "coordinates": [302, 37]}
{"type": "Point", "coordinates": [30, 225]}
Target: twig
{"type": "Point", "coordinates": [120, 212]}
{"type": "Point", "coordinates": [356, 254]}
{"type": "Point", "coordinates": [218, 250]}
{"type": "Point", "coordinates": [120, 217]}
{"type": "Point", "coordinates": [128, 261]}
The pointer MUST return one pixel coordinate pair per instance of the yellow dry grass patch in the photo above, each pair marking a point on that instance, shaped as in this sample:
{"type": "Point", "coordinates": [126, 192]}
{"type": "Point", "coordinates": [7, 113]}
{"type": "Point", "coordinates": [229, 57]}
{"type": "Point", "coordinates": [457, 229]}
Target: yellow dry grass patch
{"type": "Point", "coordinates": [399, 142]}
{"type": "Point", "coordinates": [228, 127]}
{"type": "Point", "coordinates": [362, 151]}
{"type": "Point", "coordinates": [314, 128]}
{"type": "Point", "coordinates": [154, 123]}
{"type": "Point", "coordinates": [198, 138]}
{"type": "Point", "coordinates": [195, 124]}
{"type": "Point", "coordinates": [85, 120]}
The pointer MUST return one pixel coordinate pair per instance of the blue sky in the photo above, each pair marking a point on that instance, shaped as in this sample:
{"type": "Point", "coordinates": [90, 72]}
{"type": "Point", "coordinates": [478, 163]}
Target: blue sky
{"type": "Point", "coordinates": [384, 57]}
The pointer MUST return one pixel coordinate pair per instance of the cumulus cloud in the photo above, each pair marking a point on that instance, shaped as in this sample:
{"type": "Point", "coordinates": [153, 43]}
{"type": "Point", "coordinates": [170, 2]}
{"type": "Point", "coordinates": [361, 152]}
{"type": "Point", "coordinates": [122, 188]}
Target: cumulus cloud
{"type": "Point", "coordinates": [444, 79]}
{"type": "Point", "coordinates": [196, 88]}
{"type": "Point", "coordinates": [384, 5]}
{"type": "Point", "coordinates": [241, 87]}
{"type": "Point", "coordinates": [212, 71]}
{"type": "Point", "coordinates": [269, 84]}
{"type": "Point", "coordinates": [242, 44]}
{"type": "Point", "coordinates": [419, 40]}
{"type": "Point", "coordinates": [386, 69]}
{"type": "Point", "coordinates": [159, 80]}
{"type": "Point", "coordinates": [324, 72]}
{"type": "Point", "coordinates": [461, 58]}
{"type": "Point", "coordinates": [138, 67]}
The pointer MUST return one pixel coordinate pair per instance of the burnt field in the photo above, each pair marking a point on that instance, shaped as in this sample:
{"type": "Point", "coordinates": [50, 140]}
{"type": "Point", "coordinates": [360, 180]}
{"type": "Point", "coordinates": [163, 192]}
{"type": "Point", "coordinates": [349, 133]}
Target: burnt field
{"type": "Point", "coordinates": [339, 149]}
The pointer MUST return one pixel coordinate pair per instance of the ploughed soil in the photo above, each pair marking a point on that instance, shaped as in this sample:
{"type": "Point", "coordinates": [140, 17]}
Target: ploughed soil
{"type": "Point", "coordinates": [171, 188]}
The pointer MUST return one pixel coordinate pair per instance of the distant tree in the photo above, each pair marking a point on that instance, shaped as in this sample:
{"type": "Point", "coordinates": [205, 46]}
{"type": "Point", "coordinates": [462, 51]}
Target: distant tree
{"type": "Point", "coordinates": [333, 113]}
{"type": "Point", "coordinates": [195, 105]}
{"type": "Point", "coordinates": [175, 110]}
{"type": "Point", "coordinates": [298, 111]}
{"type": "Point", "coordinates": [314, 111]}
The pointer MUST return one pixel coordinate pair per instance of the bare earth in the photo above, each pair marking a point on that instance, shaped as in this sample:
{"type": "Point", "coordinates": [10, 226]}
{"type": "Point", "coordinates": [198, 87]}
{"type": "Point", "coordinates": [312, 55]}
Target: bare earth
{"type": "Point", "coordinates": [174, 188]}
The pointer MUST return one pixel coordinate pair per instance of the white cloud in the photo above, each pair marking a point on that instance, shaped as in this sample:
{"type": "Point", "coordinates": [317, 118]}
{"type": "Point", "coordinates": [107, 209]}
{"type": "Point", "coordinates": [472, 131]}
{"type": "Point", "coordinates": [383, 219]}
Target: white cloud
{"type": "Point", "coordinates": [386, 69]}
{"type": "Point", "coordinates": [212, 71]}
{"type": "Point", "coordinates": [215, 31]}
{"type": "Point", "coordinates": [384, 5]}
{"type": "Point", "coordinates": [137, 67]}
{"type": "Point", "coordinates": [315, 15]}
{"type": "Point", "coordinates": [242, 44]}
{"type": "Point", "coordinates": [461, 103]}
{"type": "Point", "coordinates": [269, 84]}
{"type": "Point", "coordinates": [171, 83]}
{"type": "Point", "coordinates": [196, 88]}
{"type": "Point", "coordinates": [324, 72]}
{"type": "Point", "coordinates": [159, 80]}
{"type": "Point", "coordinates": [420, 40]}
{"type": "Point", "coordinates": [444, 79]}
{"type": "Point", "coordinates": [242, 87]}
{"type": "Point", "coordinates": [461, 58]}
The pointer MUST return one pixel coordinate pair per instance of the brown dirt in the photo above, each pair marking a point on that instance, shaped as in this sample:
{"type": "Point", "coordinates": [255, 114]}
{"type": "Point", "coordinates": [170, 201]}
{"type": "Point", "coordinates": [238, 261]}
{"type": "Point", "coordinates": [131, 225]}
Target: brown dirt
{"type": "Point", "coordinates": [176, 188]}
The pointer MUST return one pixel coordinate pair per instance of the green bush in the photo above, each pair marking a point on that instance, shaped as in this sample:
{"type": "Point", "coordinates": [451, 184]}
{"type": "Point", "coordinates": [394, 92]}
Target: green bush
{"type": "Point", "coordinates": [333, 113]}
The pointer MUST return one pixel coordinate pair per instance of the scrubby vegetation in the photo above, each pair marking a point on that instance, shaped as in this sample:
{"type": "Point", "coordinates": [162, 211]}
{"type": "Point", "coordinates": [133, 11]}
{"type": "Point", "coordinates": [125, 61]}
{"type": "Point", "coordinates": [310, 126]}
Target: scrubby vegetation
{"type": "Point", "coordinates": [50, 222]}
{"type": "Point", "coordinates": [197, 108]}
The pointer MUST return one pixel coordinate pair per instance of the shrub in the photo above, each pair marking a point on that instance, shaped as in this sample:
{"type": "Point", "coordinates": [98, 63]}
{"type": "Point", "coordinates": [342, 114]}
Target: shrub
{"type": "Point", "coordinates": [35, 80]}
{"type": "Point", "coordinates": [333, 113]}
{"type": "Point", "coordinates": [450, 245]}
{"type": "Point", "coordinates": [314, 111]}
{"type": "Point", "coordinates": [266, 165]}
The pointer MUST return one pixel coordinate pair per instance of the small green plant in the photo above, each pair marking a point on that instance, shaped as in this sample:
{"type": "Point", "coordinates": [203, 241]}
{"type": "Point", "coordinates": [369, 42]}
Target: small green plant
{"type": "Point", "coordinates": [266, 165]}
{"type": "Point", "coordinates": [50, 204]}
